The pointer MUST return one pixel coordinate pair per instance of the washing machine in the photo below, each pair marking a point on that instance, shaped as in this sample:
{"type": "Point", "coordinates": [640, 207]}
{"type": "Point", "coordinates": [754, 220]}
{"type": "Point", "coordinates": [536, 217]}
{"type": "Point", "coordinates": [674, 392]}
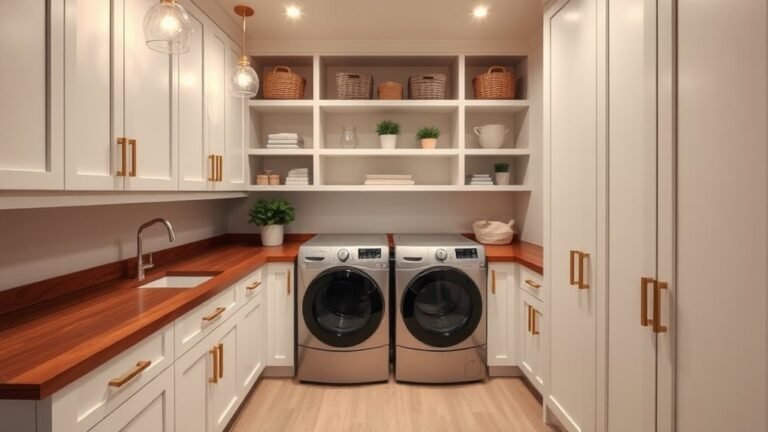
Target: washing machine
{"type": "Point", "coordinates": [440, 292]}
{"type": "Point", "coordinates": [343, 326]}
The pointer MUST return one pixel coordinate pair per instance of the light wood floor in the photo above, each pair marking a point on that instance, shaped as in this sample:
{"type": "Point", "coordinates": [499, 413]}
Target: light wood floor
{"type": "Point", "coordinates": [283, 405]}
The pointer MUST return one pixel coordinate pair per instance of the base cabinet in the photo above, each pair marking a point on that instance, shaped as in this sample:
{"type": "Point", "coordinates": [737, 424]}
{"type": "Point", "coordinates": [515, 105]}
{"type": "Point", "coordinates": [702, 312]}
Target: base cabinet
{"type": "Point", "coordinates": [502, 309]}
{"type": "Point", "coordinates": [280, 314]}
{"type": "Point", "coordinates": [531, 320]}
{"type": "Point", "coordinates": [251, 343]}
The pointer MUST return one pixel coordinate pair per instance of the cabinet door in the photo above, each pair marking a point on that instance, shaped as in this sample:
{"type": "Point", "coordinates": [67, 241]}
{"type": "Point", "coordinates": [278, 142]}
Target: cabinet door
{"type": "Point", "coordinates": [225, 395]}
{"type": "Point", "coordinates": [216, 96]}
{"type": "Point", "coordinates": [280, 314]}
{"type": "Point", "coordinates": [632, 207]}
{"type": "Point", "coordinates": [531, 313]}
{"type": "Point", "coordinates": [501, 314]}
{"type": "Point", "coordinates": [146, 99]}
{"type": "Point", "coordinates": [31, 146]}
{"type": "Point", "coordinates": [149, 410]}
{"type": "Point", "coordinates": [251, 342]}
{"type": "Point", "coordinates": [571, 58]}
{"type": "Point", "coordinates": [193, 372]}
{"type": "Point", "coordinates": [189, 83]}
{"type": "Point", "coordinates": [234, 152]}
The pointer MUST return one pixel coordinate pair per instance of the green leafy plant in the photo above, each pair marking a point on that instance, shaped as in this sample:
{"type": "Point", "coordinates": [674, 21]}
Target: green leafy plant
{"type": "Point", "coordinates": [272, 212]}
{"type": "Point", "coordinates": [388, 127]}
{"type": "Point", "coordinates": [428, 132]}
{"type": "Point", "coordinates": [501, 167]}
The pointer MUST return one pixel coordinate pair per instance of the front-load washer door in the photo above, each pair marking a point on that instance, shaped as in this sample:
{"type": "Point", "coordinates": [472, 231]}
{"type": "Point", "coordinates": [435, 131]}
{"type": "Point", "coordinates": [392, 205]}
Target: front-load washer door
{"type": "Point", "coordinates": [343, 308]}
{"type": "Point", "coordinates": [442, 307]}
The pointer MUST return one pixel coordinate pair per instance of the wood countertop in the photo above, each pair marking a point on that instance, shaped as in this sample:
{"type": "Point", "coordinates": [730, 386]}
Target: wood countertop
{"type": "Point", "coordinates": [47, 346]}
{"type": "Point", "coordinates": [70, 325]}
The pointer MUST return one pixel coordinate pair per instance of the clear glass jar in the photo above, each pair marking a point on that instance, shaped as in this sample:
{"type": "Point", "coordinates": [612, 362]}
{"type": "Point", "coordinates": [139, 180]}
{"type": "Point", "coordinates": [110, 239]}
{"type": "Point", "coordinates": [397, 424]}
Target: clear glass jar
{"type": "Point", "coordinates": [348, 137]}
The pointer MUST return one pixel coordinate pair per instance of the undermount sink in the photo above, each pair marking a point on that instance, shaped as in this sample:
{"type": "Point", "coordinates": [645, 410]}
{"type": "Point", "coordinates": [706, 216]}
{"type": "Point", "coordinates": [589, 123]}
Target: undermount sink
{"type": "Point", "coordinates": [177, 282]}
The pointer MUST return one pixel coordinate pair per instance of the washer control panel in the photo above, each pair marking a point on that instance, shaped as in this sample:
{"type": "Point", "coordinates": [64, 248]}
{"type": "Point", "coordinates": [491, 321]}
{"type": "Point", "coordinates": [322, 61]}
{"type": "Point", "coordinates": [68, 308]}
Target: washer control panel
{"type": "Point", "coordinates": [466, 253]}
{"type": "Point", "coordinates": [369, 253]}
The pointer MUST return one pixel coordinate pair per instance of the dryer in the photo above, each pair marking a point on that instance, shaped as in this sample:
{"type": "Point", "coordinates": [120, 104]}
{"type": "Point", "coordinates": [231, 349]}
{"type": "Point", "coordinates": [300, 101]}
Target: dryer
{"type": "Point", "coordinates": [343, 325]}
{"type": "Point", "coordinates": [440, 292]}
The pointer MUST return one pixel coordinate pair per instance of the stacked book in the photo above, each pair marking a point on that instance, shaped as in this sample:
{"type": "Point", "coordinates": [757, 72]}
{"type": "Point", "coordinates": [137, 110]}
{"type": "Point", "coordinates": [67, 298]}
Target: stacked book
{"type": "Point", "coordinates": [480, 180]}
{"type": "Point", "coordinates": [388, 179]}
{"type": "Point", "coordinates": [298, 176]}
{"type": "Point", "coordinates": [285, 141]}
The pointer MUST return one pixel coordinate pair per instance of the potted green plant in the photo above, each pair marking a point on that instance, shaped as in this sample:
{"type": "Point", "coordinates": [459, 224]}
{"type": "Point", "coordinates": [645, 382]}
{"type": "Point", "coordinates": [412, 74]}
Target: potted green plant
{"type": "Point", "coordinates": [272, 215]}
{"type": "Point", "coordinates": [428, 137]}
{"type": "Point", "coordinates": [388, 131]}
{"type": "Point", "coordinates": [502, 173]}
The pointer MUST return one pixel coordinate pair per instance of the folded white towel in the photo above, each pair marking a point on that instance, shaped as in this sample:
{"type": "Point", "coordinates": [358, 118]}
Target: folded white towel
{"type": "Point", "coordinates": [285, 135]}
{"type": "Point", "coordinates": [388, 177]}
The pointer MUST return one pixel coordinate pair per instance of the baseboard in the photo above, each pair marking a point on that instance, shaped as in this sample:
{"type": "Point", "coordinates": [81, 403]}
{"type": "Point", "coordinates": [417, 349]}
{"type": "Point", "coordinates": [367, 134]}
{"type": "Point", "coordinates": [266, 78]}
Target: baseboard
{"type": "Point", "coordinates": [504, 371]}
{"type": "Point", "coordinates": [279, 372]}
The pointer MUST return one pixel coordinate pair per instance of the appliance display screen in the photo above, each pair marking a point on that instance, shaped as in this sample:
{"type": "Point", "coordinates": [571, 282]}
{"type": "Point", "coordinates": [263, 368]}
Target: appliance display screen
{"type": "Point", "coordinates": [364, 254]}
{"type": "Point", "coordinates": [469, 253]}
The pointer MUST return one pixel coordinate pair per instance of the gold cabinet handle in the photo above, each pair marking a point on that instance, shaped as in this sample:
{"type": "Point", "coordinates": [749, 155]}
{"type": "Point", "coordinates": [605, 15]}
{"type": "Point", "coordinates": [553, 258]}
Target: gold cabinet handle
{"type": "Point", "coordinates": [573, 267]}
{"type": "Point", "coordinates": [532, 284]}
{"type": "Point", "coordinates": [528, 310]}
{"type": "Point", "coordinates": [221, 168]}
{"type": "Point", "coordinates": [215, 314]}
{"type": "Point", "coordinates": [253, 286]}
{"type": "Point", "coordinates": [212, 168]}
{"type": "Point", "coordinates": [124, 155]}
{"type": "Point", "coordinates": [644, 281]}
{"type": "Point", "coordinates": [214, 352]}
{"type": "Point", "coordinates": [657, 287]}
{"type": "Point", "coordinates": [221, 359]}
{"type": "Point", "coordinates": [493, 281]}
{"type": "Point", "coordinates": [134, 163]}
{"type": "Point", "coordinates": [139, 368]}
{"type": "Point", "coordinates": [535, 321]}
{"type": "Point", "coordinates": [288, 282]}
{"type": "Point", "coordinates": [583, 256]}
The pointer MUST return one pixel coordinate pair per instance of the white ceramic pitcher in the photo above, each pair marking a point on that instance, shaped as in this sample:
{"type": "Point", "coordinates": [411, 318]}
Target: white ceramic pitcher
{"type": "Point", "coordinates": [491, 136]}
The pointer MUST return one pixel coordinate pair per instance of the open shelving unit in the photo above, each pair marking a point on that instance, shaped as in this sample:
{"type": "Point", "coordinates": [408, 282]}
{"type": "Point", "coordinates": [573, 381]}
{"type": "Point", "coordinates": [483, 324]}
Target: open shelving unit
{"type": "Point", "coordinates": [319, 118]}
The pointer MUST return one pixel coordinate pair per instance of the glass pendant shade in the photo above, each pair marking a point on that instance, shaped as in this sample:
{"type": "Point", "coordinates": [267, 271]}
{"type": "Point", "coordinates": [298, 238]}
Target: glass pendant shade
{"type": "Point", "coordinates": [167, 28]}
{"type": "Point", "coordinates": [245, 81]}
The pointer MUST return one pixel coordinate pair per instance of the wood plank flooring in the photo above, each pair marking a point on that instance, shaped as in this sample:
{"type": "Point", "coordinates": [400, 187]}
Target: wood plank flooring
{"type": "Point", "coordinates": [283, 405]}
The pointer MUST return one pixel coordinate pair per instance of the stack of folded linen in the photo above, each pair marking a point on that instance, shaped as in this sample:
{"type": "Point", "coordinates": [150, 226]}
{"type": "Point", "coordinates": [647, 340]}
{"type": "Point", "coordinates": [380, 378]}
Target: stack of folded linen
{"type": "Point", "coordinates": [298, 176]}
{"type": "Point", "coordinates": [388, 179]}
{"type": "Point", "coordinates": [285, 141]}
{"type": "Point", "coordinates": [480, 180]}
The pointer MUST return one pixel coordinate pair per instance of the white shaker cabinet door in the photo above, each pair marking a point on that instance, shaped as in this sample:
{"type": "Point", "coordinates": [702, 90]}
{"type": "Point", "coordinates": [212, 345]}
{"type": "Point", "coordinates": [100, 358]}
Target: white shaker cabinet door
{"type": "Point", "coordinates": [502, 328]}
{"type": "Point", "coordinates": [280, 314]}
{"type": "Point", "coordinates": [251, 342]}
{"type": "Point", "coordinates": [146, 99]}
{"type": "Point", "coordinates": [31, 147]}
{"type": "Point", "coordinates": [234, 152]}
{"type": "Point", "coordinates": [215, 100]}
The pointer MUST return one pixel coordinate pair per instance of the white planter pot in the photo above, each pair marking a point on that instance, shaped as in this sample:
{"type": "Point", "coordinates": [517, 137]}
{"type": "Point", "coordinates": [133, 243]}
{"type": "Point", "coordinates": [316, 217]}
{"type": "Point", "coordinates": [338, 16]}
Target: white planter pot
{"type": "Point", "coordinates": [429, 143]}
{"type": "Point", "coordinates": [502, 178]}
{"type": "Point", "coordinates": [272, 235]}
{"type": "Point", "coordinates": [491, 136]}
{"type": "Point", "coordinates": [388, 141]}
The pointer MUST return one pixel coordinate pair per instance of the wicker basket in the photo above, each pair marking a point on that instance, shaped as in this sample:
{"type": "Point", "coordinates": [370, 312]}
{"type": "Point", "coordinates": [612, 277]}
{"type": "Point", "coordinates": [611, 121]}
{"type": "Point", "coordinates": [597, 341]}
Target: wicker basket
{"type": "Point", "coordinates": [497, 83]}
{"type": "Point", "coordinates": [354, 86]}
{"type": "Point", "coordinates": [390, 90]}
{"type": "Point", "coordinates": [281, 83]}
{"type": "Point", "coordinates": [430, 86]}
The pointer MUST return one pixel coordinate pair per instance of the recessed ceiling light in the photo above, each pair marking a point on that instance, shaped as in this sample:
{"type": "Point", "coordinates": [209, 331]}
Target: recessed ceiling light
{"type": "Point", "coordinates": [293, 12]}
{"type": "Point", "coordinates": [480, 12]}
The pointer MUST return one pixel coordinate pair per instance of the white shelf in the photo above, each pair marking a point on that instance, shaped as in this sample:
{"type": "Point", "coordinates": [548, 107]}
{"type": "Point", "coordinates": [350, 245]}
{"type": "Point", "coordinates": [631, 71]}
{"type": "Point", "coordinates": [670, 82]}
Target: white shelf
{"type": "Point", "coordinates": [280, 152]}
{"type": "Point", "coordinates": [281, 106]}
{"type": "Point", "coordinates": [386, 188]}
{"type": "Point", "coordinates": [497, 152]}
{"type": "Point", "coordinates": [496, 106]}
{"type": "Point", "coordinates": [387, 152]}
{"type": "Point", "coordinates": [388, 106]}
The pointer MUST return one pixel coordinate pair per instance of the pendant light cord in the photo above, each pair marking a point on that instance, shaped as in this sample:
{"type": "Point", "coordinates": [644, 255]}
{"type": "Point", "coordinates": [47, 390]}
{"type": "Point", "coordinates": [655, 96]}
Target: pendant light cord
{"type": "Point", "coordinates": [243, 45]}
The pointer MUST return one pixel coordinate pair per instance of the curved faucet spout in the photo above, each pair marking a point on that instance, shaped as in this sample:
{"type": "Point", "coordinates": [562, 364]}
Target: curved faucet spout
{"type": "Point", "coordinates": [140, 266]}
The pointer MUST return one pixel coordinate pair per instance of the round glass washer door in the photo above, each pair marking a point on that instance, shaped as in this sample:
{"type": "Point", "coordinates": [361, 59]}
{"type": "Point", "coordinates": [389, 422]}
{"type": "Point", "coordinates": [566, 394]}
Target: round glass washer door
{"type": "Point", "coordinates": [343, 307]}
{"type": "Point", "coordinates": [442, 307]}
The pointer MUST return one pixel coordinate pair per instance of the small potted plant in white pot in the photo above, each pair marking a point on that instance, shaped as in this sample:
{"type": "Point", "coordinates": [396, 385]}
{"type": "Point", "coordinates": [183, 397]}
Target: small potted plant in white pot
{"type": "Point", "coordinates": [428, 137]}
{"type": "Point", "coordinates": [272, 215]}
{"type": "Point", "coordinates": [502, 173]}
{"type": "Point", "coordinates": [388, 131]}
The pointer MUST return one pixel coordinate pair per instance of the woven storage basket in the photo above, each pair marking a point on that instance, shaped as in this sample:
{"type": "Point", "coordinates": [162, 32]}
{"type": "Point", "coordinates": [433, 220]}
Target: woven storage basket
{"type": "Point", "coordinates": [354, 86]}
{"type": "Point", "coordinates": [497, 83]}
{"type": "Point", "coordinates": [281, 83]}
{"type": "Point", "coordinates": [430, 86]}
{"type": "Point", "coordinates": [390, 90]}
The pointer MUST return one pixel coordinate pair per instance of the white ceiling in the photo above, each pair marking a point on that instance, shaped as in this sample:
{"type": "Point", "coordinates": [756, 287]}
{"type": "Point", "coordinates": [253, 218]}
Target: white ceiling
{"type": "Point", "coordinates": [390, 19]}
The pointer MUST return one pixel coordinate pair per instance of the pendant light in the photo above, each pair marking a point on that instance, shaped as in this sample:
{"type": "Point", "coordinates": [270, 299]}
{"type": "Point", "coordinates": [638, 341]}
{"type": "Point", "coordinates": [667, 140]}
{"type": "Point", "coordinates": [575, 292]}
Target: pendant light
{"type": "Point", "coordinates": [245, 82]}
{"type": "Point", "coordinates": [167, 28]}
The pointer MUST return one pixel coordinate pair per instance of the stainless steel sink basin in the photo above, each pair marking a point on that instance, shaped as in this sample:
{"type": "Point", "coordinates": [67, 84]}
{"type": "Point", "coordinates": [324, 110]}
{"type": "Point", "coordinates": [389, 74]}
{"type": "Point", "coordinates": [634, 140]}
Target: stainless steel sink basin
{"type": "Point", "coordinates": [177, 281]}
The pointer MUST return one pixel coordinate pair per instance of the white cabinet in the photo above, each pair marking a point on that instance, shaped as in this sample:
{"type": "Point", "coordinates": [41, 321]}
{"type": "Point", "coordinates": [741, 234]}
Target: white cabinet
{"type": "Point", "coordinates": [502, 312]}
{"type": "Point", "coordinates": [571, 190]}
{"type": "Point", "coordinates": [251, 341]}
{"type": "Point", "coordinates": [31, 75]}
{"type": "Point", "coordinates": [234, 164]}
{"type": "Point", "coordinates": [149, 410]}
{"type": "Point", "coordinates": [531, 319]}
{"type": "Point", "coordinates": [280, 314]}
{"type": "Point", "coordinates": [225, 394]}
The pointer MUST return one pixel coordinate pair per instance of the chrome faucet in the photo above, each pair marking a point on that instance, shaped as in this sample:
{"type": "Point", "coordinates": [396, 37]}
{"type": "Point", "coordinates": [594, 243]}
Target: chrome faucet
{"type": "Point", "coordinates": [139, 247]}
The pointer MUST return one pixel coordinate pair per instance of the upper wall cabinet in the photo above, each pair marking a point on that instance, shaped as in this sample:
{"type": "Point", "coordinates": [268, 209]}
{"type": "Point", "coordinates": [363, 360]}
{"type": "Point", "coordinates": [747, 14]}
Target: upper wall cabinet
{"type": "Point", "coordinates": [31, 148]}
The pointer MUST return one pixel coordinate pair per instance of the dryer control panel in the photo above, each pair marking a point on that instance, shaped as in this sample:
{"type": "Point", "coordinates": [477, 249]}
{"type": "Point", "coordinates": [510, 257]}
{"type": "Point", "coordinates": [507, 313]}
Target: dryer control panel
{"type": "Point", "coordinates": [466, 253]}
{"type": "Point", "coordinates": [369, 253]}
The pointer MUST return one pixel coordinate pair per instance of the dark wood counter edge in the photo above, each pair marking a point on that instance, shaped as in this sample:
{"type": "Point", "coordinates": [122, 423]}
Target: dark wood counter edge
{"type": "Point", "coordinates": [152, 320]}
{"type": "Point", "coordinates": [513, 252]}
